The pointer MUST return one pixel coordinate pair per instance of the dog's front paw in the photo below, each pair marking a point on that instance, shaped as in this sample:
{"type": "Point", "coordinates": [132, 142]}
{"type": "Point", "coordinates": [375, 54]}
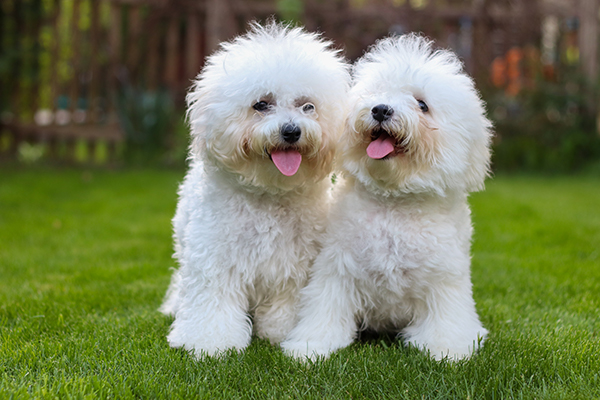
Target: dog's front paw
{"type": "Point", "coordinates": [208, 343]}
{"type": "Point", "coordinates": [450, 354]}
{"type": "Point", "coordinates": [201, 348]}
{"type": "Point", "coordinates": [455, 351]}
{"type": "Point", "coordinates": [302, 350]}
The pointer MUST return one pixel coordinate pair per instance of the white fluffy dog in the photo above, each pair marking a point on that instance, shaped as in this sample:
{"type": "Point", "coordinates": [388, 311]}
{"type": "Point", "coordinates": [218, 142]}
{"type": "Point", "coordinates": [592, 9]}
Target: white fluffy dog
{"type": "Point", "coordinates": [396, 252]}
{"type": "Point", "coordinates": [266, 113]}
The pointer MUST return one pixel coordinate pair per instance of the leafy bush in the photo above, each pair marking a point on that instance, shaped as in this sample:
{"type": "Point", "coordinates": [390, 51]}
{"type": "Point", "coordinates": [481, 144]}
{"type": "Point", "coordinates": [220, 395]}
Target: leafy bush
{"type": "Point", "coordinates": [148, 119]}
{"type": "Point", "coordinates": [550, 127]}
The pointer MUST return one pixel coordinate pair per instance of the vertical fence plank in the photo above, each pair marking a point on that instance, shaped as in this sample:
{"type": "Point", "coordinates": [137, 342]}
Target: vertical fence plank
{"type": "Point", "coordinates": [35, 22]}
{"type": "Point", "coordinates": [114, 39]}
{"type": "Point", "coordinates": [588, 45]}
{"type": "Point", "coordinates": [75, 89]}
{"type": "Point", "coordinates": [17, 64]}
{"type": "Point", "coordinates": [172, 44]}
{"type": "Point", "coordinates": [3, 49]}
{"type": "Point", "coordinates": [220, 23]}
{"type": "Point", "coordinates": [5, 30]}
{"type": "Point", "coordinates": [55, 13]}
{"type": "Point", "coordinates": [95, 58]}
{"type": "Point", "coordinates": [193, 43]}
{"type": "Point", "coordinates": [134, 42]}
{"type": "Point", "coordinates": [4, 82]}
{"type": "Point", "coordinates": [482, 52]}
{"type": "Point", "coordinates": [3, 34]}
{"type": "Point", "coordinates": [214, 11]}
{"type": "Point", "coordinates": [54, 54]}
{"type": "Point", "coordinates": [15, 87]}
{"type": "Point", "coordinates": [153, 61]}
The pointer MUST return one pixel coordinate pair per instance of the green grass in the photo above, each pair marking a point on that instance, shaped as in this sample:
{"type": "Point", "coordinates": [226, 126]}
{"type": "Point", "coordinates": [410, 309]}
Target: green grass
{"type": "Point", "coordinates": [84, 263]}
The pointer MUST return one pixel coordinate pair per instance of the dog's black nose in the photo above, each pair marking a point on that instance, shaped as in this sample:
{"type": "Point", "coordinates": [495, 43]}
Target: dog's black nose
{"type": "Point", "coordinates": [381, 112]}
{"type": "Point", "coordinates": [290, 133]}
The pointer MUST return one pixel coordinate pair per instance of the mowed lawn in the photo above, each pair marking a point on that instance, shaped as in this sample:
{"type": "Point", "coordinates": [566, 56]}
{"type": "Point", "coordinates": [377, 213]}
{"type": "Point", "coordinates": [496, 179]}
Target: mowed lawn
{"type": "Point", "coordinates": [84, 264]}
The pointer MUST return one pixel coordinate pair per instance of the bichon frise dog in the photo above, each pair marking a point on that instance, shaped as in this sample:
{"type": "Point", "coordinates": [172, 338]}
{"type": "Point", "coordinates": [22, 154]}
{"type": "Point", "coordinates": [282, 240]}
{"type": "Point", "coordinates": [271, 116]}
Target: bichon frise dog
{"type": "Point", "coordinates": [266, 113]}
{"type": "Point", "coordinates": [396, 251]}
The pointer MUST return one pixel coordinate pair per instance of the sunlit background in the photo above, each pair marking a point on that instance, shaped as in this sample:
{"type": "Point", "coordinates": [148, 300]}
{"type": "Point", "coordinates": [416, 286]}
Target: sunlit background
{"type": "Point", "coordinates": [103, 81]}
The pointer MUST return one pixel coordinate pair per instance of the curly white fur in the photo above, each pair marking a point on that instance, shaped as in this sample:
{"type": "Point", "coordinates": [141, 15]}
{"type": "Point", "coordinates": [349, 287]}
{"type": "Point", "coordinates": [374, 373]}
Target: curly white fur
{"type": "Point", "coordinates": [396, 251]}
{"type": "Point", "coordinates": [245, 233]}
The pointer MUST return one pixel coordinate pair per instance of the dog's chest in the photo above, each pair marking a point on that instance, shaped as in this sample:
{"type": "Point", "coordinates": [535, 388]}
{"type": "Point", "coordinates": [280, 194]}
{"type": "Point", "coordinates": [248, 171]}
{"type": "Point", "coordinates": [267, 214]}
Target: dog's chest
{"type": "Point", "coordinates": [268, 238]}
{"type": "Point", "coordinates": [392, 245]}
{"type": "Point", "coordinates": [397, 247]}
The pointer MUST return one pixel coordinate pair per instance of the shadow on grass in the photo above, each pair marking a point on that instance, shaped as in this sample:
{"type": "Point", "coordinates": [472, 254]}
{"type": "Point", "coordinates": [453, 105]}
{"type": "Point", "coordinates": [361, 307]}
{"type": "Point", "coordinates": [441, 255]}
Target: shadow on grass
{"type": "Point", "coordinates": [372, 337]}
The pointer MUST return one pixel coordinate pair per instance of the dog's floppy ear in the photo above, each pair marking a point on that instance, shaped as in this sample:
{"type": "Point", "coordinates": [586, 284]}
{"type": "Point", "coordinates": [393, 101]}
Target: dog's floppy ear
{"type": "Point", "coordinates": [475, 132]}
{"type": "Point", "coordinates": [197, 115]}
{"type": "Point", "coordinates": [478, 162]}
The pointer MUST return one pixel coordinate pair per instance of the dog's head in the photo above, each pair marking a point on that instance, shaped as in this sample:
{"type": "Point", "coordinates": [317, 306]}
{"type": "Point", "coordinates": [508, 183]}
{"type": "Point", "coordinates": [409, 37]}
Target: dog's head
{"type": "Point", "coordinates": [416, 123]}
{"type": "Point", "coordinates": [268, 107]}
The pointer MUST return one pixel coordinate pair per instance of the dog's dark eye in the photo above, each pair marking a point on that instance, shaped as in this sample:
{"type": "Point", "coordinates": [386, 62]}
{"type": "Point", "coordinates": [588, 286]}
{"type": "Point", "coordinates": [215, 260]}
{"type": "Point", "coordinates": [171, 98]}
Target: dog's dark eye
{"type": "Point", "coordinates": [261, 106]}
{"type": "Point", "coordinates": [308, 107]}
{"type": "Point", "coordinates": [423, 106]}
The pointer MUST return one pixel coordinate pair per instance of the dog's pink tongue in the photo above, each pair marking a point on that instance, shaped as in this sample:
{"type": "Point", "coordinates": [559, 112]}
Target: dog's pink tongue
{"type": "Point", "coordinates": [287, 161]}
{"type": "Point", "coordinates": [381, 147]}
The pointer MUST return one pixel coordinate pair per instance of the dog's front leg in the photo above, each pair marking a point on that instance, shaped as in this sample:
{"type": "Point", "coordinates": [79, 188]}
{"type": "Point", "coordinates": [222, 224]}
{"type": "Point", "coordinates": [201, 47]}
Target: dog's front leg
{"type": "Point", "coordinates": [327, 317]}
{"type": "Point", "coordinates": [445, 321]}
{"type": "Point", "coordinates": [211, 319]}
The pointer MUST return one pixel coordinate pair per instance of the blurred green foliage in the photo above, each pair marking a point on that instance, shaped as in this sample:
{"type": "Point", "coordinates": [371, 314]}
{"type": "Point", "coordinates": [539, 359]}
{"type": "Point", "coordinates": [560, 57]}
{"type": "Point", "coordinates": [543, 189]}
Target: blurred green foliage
{"type": "Point", "coordinates": [551, 127]}
{"type": "Point", "coordinates": [148, 119]}
{"type": "Point", "coordinates": [290, 10]}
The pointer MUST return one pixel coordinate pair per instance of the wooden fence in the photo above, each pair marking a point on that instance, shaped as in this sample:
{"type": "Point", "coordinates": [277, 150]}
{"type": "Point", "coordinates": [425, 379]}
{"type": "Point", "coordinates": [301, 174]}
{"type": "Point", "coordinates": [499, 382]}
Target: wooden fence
{"type": "Point", "coordinates": [64, 63]}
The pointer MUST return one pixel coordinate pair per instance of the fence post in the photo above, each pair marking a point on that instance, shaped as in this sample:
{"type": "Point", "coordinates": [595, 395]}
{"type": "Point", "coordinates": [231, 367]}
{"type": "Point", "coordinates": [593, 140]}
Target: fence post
{"type": "Point", "coordinates": [588, 38]}
{"type": "Point", "coordinates": [588, 51]}
{"type": "Point", "coordinates": [220, 24]}
{"type": "Point", "coordinates": [482, 54]}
